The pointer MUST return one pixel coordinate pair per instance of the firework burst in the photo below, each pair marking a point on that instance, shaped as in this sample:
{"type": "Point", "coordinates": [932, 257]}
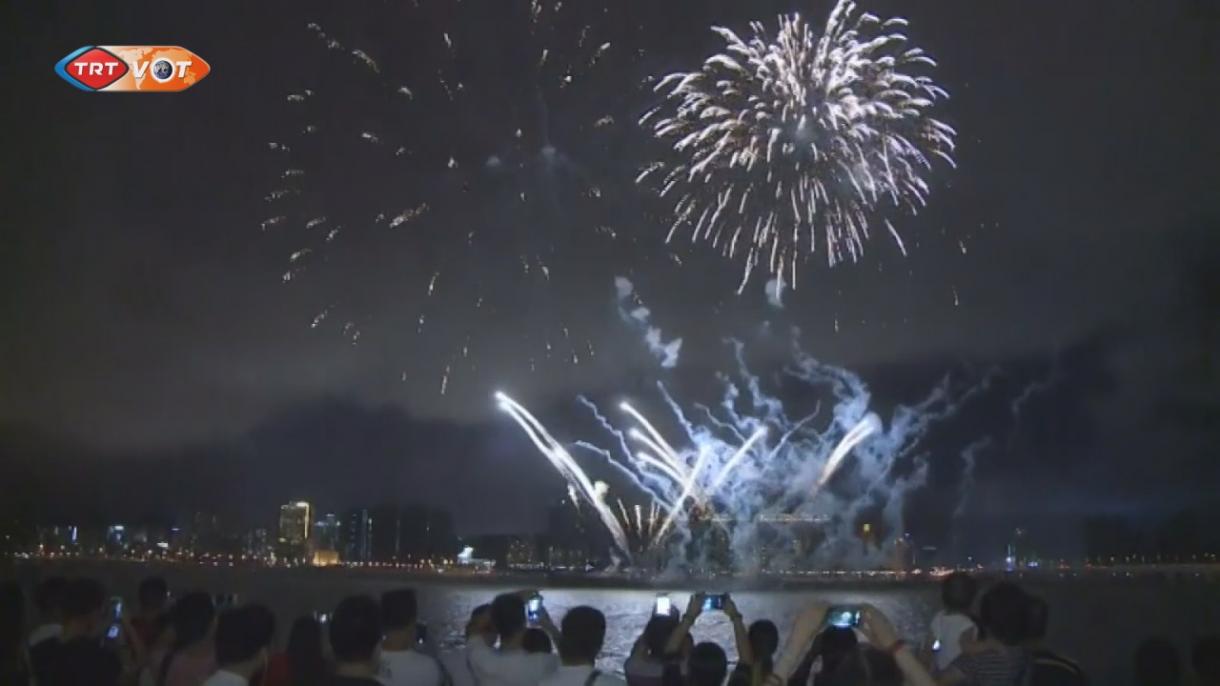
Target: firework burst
{"type": "Point", "coordinates": [436, 177]}
{"type": "Point", "coordinates": [783, 142]}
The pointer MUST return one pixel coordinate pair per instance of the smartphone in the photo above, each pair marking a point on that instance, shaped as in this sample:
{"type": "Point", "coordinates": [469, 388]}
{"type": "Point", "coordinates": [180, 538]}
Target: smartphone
{"type": "Point", "coordinates": [116, 608]}
{"type": "Point", "coordinates": [321, 617]}
{"type": "Point", "coordinates": [533, 607]}
{"type": "Point", "coordinates": [663, 605]}
{"type": "Point", "coordinates": [714, 601]}
{"type": "Point", "coordinates": [843, 616]}
{"type": "Point", "coordinates": [112, 634]}
{"type": "Point", "coordinates": [936, 645]}
{"type": "Point", "coordinates": [421, 633]}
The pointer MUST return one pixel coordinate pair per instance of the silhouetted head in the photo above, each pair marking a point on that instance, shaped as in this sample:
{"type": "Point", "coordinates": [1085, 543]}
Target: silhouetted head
{"type": "Point", "coordinates": [1157, 663]}
{"type": "Point", "coordinates": [837, 644]}
{"type": "Point", "coordinates": [867, 666]}
{"type": "Point", "coordinates": [355, 629]}
{"type": "Point", "coordinates": [1039, 615]}
{"type": "Point", "coordinates": [84, 601]}
{"type": "Point", "coordinates": [399, 609]}
{"type": "Point", "coordinates": [192, 618]}
{"type": "Point", "coordinates": [583, 632]}
{"type": "Point", "coordinates": [656, 634]}
{"type": "Point", "coordinates": [49, 597]}
{"type": "Point", "coordinates": [707, 665]}
{"type": "Point", "coordinates": [508, 615]}
{"type": "Point", "coordinates": [304, 647]}
{"type": "Point", "coordinates": [243, 635]}
{"type": "Point", "coordinates": [535, 640]}
{"type": "Point", "coordinates": [480, 624]}
{"type": "Point", "coordinates": [1004, 613]}
{"type": "Point", "coordinates": [153, 594]}
{"type": "Point", "coordinates": [764, 638]}
{"type": "Point", "coordinates": [957, 592]}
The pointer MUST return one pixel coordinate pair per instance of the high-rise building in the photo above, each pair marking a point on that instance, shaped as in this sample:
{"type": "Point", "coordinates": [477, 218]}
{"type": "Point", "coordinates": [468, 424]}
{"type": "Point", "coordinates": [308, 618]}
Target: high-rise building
{"type": "Point", "coordinates": [295, 523]}
{"type": "Point", "coordinates": [326, 533]}
{"type": "Point", "coordinates": [358, 536]}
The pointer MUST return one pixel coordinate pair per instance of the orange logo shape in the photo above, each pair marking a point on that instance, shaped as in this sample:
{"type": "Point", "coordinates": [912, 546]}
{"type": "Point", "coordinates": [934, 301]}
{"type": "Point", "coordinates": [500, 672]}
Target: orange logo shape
{"type": "Point", "coordinates": [132, 68]}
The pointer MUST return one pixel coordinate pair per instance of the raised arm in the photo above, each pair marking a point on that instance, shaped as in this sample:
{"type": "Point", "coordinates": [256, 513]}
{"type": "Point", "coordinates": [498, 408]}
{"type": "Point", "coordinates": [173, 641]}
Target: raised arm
{"type": "Point", "coordinates": [745, 651]}
{"type": "Point", "coordinates": [693, 608]}
{"type": "Point", "coordinates": [881, 632]}
{"type": "Point", "coordinates": [803, 631]}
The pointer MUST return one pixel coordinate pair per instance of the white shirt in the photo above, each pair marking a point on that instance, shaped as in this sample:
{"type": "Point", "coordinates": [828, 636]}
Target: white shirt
{"type": "Point", "coordinates": [408, 668]}
{"type": "Point", "coordinates": [947, 627]}
{"type": "Point", "coordinates": [578, 675]}
{"type": "Point", "coordinates": [226, 678]}
{"type": "Point", "coordinates": [44, 631]}
{"type": "Point", "coordinates": [456, 664]}
{"type": "Point", "coordinates": [493, 667]}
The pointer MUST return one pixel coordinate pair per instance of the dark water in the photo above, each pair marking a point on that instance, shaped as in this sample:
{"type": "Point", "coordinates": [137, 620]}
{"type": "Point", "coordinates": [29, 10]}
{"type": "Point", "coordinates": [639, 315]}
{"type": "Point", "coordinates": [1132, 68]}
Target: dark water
{"type": "Point", "coordinates": [1096, 621]}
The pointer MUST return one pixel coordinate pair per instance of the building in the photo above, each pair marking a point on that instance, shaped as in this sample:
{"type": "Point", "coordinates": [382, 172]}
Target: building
{"type": "Point", "coordinates": [294, 530]}
{"type": "Point", "coordinates": [327, 533]}
{"type": "Point", "coordinates": [357, 539]}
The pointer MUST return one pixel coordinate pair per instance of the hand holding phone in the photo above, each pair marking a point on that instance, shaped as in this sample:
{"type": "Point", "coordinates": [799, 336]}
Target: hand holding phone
{"type": "Point", "coordinates": [533, 609]}
{"type": "Point", "coordinates": [713, 601]}
{"type": "Point", "coordinates": [663, 605]}
{"type": "Point", "coordinates": [843, 616]}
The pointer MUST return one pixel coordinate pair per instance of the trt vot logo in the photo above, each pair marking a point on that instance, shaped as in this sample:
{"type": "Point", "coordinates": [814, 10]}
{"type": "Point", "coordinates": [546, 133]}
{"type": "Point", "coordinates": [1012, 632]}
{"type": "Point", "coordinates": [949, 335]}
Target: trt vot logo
{"type": "Point", "coordinates": [132, 68]}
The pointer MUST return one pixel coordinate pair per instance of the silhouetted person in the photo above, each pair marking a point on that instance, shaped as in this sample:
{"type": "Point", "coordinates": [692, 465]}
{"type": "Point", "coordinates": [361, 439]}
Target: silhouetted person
{"type": "Point", "coordinates": [243, 640]}
{"type": "Point", "coordinates": [535, 640]}
{"type": "Point", "coordinates": [303, 662]}
{"type": "Point", "coordinates": [581, 636]}
{"type": "Point", "coordinates": [1000, 658]}
{"type": "Point", "coordinates": [14, 662]}
{"type": "Point", "coordinates": [707, 665]}
{"type": "Point", "coordinates": [1205, 658]}
{"type": "Point", "coordinates": [49, 601]}
{"type": "Point", "coordinates": [867, 665]}
{"type": "Point", "coordinates": [1157, 663]}
{"type": "Point", "coordinates": [763, 639]}
{"type": "Point", "coordinates": [355, 635]}
{"type": "Point", "coordinates": [510, 665]}
{"type": "Point", "coordinates": [832, 645]}
{"type": "Point", "coordinates": [953, 621]}
{"type": "Point", "coordinates": [646, 664]}
{"type": "Point", "coordinates": [1049, 668]}
{"type": "Point", "coordinates": [402, 664]}
{"type": "Point", "coordinates": [456, 663]}
{"type": "Point", "coordinates": [77, 657]}
{"type": "Point", "coordinates": [149, 619]}
{"type": "Point", "coordinates": [191, 657]}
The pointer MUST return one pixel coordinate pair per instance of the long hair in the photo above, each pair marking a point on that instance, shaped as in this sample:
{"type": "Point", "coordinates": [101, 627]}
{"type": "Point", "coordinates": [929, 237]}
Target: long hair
{"type": "Point", "coordinates": [191, 618]}
{"type": "Point", "coordinates": [305, 659]}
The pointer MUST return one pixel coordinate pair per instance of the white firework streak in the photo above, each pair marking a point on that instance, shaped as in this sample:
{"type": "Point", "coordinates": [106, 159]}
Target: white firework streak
{"type": "Point", "coordinates": [563, 462]}
{"type": "Point", "coordinates": [787, 141]}
{"type": "Point", "coordinates": [746, 461]}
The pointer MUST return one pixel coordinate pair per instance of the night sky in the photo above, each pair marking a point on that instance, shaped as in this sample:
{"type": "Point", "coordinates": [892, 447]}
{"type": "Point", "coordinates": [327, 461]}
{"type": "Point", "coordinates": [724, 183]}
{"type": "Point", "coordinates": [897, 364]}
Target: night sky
{"type": "Point", "coordinates": [156, 361]}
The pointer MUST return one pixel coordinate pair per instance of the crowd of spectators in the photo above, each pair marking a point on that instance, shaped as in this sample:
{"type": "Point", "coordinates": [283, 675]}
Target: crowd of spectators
{"type": "Point", "coordinates": [79, 636]}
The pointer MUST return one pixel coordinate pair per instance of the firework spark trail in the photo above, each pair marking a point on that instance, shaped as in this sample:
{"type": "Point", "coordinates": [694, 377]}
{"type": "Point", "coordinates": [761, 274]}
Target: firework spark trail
{"type": "Point", "coordinates": [564, 463]}
{"type": "Point", "coordinates": [865, 428]}
{"type": "Point", "coordinates": [787, 140]}
{"type": "Point", "coordinates": [782, 467]}
{"type": "Point", "coordinates": [440, 192]}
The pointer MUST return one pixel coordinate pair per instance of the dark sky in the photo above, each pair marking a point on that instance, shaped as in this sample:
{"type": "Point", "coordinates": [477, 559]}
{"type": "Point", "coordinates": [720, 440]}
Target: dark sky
{"type": "Point", "coordinates": [154, 359]}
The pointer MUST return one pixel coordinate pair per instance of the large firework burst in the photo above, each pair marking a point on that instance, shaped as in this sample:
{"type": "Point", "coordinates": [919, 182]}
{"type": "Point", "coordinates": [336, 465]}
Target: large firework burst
{"type": "Point", "coordinates": [787, 141]}
{"type": "Point", "coordinates": [437, 182]}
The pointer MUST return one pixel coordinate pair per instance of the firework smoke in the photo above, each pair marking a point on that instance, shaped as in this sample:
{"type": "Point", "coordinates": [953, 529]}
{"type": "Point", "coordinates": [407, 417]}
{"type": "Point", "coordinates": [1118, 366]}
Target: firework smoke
{"type": "Point", "coordinates": [783, 142]}
{"type": "Point", "coordinates": [744, 464]}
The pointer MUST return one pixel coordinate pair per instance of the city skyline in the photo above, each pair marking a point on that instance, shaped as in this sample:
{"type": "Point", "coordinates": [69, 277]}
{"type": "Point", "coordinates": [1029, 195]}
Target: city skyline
{"type": "Point", "coordinates": [159, 363]}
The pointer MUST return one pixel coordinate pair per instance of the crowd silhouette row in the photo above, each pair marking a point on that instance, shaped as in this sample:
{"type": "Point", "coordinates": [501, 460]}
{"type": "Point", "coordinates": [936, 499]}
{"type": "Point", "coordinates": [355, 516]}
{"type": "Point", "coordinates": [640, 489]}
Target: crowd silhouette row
{"type": "Point", "coordinates": [79, 636]}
